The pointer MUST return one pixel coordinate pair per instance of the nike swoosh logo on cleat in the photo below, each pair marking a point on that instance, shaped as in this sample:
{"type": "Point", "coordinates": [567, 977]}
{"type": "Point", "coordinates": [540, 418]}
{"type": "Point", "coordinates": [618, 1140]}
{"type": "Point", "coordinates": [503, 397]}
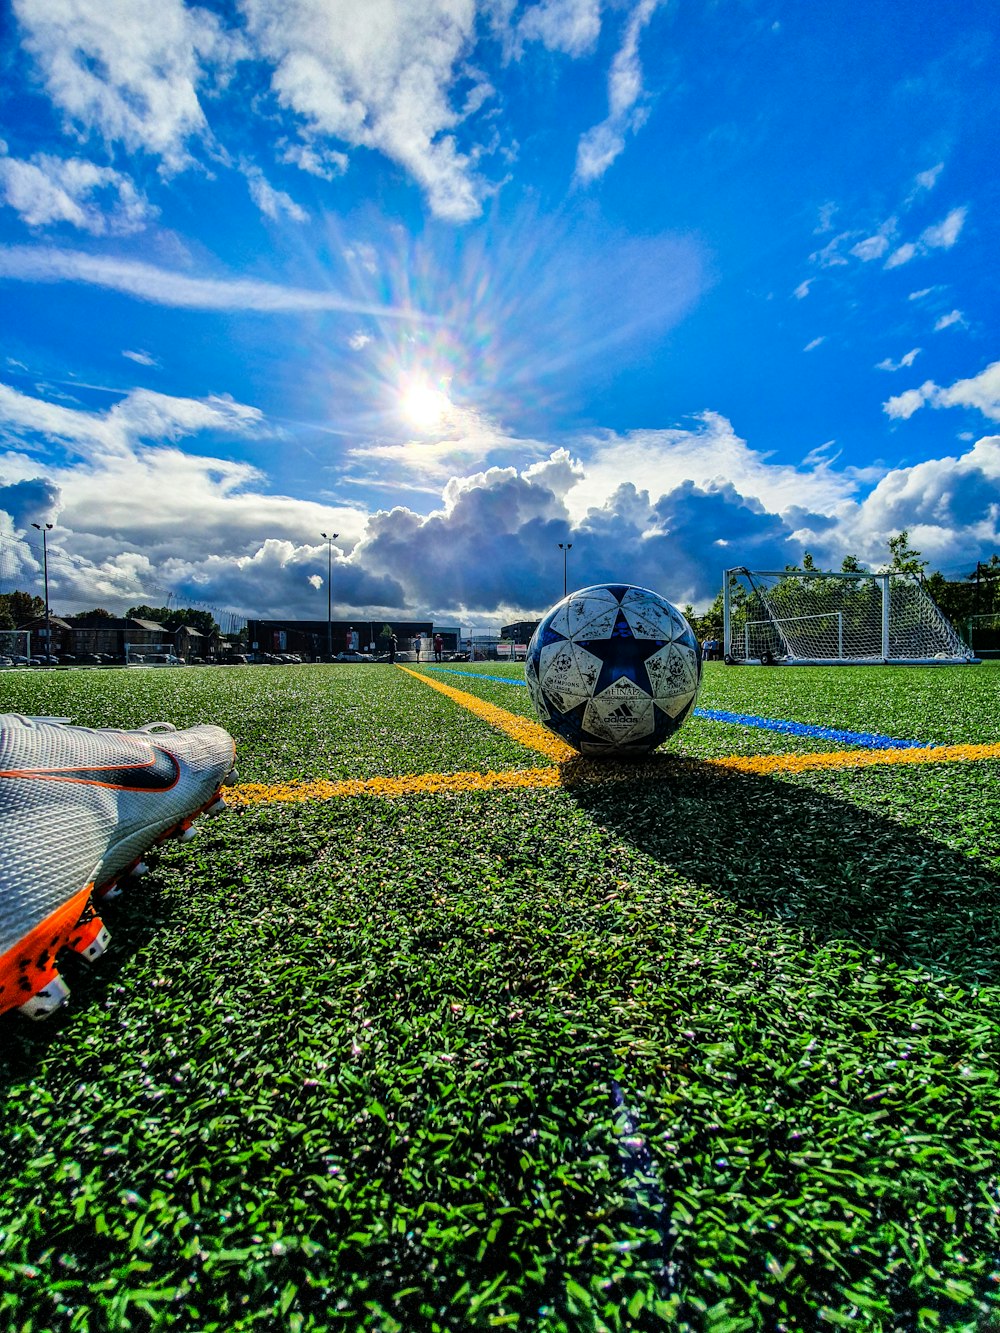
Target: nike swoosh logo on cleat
{"type": "Point", "coordinates": [158, 774]}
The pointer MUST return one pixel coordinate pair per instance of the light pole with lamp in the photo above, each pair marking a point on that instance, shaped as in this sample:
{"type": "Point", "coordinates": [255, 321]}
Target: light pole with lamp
{"type": "Point", "coordinates": [45, 530]}
{"type": "Point", "coordinates": [565, 547]}
{"type": "Point", "coordinates": [329, 590]}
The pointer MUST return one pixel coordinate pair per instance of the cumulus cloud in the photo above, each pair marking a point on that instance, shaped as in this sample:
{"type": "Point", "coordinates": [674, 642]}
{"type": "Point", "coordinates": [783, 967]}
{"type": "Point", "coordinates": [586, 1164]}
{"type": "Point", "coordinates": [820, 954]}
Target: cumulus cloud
{"type": "Point", "coordinates": [601, 144]}
{"type": "Point", "coordinates": [947, 321]}
{"type": "Point", "coordinates": [118, 75]}
{"type": "Point", "coordinates": [981, 392]}
{"type": "Point", "coordinates": [134, 512]}
{"type": "Point", "coordinates": [379, 76]}
{"type": "Point", "coordinates": [48, 190]}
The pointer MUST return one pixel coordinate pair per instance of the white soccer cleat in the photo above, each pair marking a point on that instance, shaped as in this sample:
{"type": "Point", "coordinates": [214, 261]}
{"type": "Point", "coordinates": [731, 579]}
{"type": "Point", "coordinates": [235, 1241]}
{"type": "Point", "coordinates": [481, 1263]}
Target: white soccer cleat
{"type": "Point", "coordinates": [78, 809]}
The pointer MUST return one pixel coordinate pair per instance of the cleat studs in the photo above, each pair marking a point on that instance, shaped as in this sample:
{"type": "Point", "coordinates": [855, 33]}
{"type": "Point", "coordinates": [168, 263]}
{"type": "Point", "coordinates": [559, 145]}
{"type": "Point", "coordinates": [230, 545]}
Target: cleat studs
{"type": "Point", "coordinates": [231, 778]}
{"type": "Point", "coordinates": [139, 869]}
{"type": "Point", "coordinates": [186, 834]}
{"type": "Point", "coordinates": [92, 941]}
{"type": "Point", "coordinates": [109, 892]}
{"type": "Point", "coordinates": [217, 807]}
{"type": "Point", "coordinates": [46, 1001]}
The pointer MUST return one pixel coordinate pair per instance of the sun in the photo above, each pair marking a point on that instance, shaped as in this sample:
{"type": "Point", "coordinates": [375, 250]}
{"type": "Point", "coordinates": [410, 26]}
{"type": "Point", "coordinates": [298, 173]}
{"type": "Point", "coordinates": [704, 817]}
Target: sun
{"type": "Point", "coordinates": [425, 408]}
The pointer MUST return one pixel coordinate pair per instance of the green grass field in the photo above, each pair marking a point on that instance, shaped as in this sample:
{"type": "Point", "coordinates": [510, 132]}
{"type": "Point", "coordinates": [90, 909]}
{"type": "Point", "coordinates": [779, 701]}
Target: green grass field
{"type": "Point", "coordinates": [692, 1048]}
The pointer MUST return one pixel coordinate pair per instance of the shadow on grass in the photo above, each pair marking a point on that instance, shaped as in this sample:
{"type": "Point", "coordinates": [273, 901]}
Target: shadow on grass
{"type": "Point", "coordinates": [134, 920]}
{"type": "Point", "coordinates": [823, 865]}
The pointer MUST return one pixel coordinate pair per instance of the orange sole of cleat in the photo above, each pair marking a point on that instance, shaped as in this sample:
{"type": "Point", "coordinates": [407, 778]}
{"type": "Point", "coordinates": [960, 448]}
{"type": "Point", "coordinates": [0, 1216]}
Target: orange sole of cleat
{"type": "Point", "coordinates": [29, 967]}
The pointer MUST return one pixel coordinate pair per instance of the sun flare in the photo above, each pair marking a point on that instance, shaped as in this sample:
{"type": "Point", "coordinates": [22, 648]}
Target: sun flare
{"type": "Point", "coordinates": [425, 408]}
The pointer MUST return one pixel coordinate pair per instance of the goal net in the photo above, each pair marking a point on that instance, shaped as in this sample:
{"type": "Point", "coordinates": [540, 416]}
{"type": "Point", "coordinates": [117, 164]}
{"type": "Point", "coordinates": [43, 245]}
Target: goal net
{"type": "Point", "coordinates": [150, 654]}
{"type": "Point", "coordinates": [15, 647]}
{"type": "Point", "coordinates": [811, 617]}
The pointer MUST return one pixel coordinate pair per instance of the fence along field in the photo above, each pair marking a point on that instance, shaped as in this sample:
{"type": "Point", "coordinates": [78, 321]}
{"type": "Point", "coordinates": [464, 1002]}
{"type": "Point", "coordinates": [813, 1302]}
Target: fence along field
{"type": "Point", "coordinates": [700, 1047]}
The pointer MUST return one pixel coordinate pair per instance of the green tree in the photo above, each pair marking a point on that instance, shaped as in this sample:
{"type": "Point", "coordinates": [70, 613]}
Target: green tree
{"type": "Point", "coordinates": [97, 613]}
{"type": "Point", "coordinates": [851, 565]}
{"type": "Point", "coordinates": [22, 607]}
{"type": "Point", "coordinates": [903, 559]}
{"type": "Point", "coordinates": [807, 560]}
{"type": "Point", "coordinates": [157, 613]}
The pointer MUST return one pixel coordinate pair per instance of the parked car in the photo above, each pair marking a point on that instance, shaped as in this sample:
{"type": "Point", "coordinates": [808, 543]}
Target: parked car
{"type": "Point", "coordinates": [45, 660]}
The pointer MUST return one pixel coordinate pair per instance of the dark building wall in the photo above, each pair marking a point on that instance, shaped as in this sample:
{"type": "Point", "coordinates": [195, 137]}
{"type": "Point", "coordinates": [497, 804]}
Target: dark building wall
{"type": "Point", "coordinates": [521, 630]}
{"type": "Point", "coordinates": [309, 637]}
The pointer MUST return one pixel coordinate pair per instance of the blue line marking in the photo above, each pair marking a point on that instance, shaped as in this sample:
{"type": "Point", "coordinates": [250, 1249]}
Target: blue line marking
{"type": "Point", "coordinates": [866, 739]}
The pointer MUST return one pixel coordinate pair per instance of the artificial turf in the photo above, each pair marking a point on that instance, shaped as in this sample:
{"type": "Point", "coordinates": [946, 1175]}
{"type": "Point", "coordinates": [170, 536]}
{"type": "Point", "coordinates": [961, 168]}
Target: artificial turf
{"type": "Point", "coordinates": [712, 1052]}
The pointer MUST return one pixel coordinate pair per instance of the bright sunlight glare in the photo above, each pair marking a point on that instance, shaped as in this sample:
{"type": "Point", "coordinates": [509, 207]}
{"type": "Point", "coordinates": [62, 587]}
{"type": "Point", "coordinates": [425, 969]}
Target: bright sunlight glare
{"type": "Point", "coordinates": [425, 407]}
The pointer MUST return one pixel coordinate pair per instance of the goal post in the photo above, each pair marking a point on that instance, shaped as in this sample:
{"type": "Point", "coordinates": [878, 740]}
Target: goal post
{"type": "Point", "coordinates": [815, 617]}
{"type": "Point", "coordinates": [15, 647]}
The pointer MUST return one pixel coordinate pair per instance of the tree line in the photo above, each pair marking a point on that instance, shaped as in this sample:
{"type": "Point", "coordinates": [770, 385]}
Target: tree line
{"type": "Point", "coordinates": [21, 608]}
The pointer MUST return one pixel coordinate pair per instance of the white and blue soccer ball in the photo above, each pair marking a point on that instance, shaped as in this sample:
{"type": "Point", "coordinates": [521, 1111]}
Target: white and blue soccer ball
{"type": "Point", "coordinates": [613, 670]}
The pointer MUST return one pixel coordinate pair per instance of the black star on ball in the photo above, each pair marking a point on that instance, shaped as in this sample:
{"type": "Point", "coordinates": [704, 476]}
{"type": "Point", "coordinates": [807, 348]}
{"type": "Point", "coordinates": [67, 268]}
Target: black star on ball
{"type": "Point", "coordinates": [622, 655]}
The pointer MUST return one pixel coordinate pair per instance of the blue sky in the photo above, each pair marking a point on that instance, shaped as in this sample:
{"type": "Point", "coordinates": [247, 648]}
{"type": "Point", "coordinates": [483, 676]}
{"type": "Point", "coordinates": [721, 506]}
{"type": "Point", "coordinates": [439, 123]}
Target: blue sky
{"type": "Point", "coordinates": [687, 284]}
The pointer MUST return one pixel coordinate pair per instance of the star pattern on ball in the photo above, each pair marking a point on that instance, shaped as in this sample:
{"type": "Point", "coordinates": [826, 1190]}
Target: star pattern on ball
{"type": "Point", "coordinates": [622, 655]}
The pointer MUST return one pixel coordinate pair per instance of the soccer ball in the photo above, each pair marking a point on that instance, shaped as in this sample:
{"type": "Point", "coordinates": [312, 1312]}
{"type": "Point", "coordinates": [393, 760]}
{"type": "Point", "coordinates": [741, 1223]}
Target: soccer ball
{"type": "Point", "coordinates": [613, 670]}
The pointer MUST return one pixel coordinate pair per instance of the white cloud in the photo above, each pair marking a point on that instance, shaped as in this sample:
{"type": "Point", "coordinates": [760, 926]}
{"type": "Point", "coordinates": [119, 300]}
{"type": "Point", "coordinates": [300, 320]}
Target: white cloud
{"type": "Point", "coordinates": [316, 159]}
{"type": "Point", "coordinates": [359, 340]}
{"type": "Point", "coordinates": [379, 76]}
{"type": "Point", "coordinates": [926, 180]}
{"type": "Point", "coordinates": [875, 246]}
{"type": "Point", "coordinates": [117, 71]}
{"type": "Point", "coordinates": [816, 342]}
{"type": "Point", "coordinates": [570, 26]}
{"type": "Point", "coordinates": [946, 321]}
{"type": "Point", "coordinates": [273, 203]}
{"type": "Point", "coordinates": [141, 358]}
{"type": "Point", "coordinates": [907, 359]}
{"type": "Point", "coordinates": [941, 236]}
{"type": "Point", "coordinates": [666, 508]}
{"type": "Point", "coordinates": [49, 190]}
{"type": "Point", "coordinates": [140, 415]}
{"type": "Point", "coordinates": [599, 147]}
{"type": "Point", "coordinates": [170, 288]}
{"type": "Point", "coordinates": [981, 392]}
{"type": "Point", "coordinates": [802, 290]}
{"type": "Point", "coordinates": [902, 255]}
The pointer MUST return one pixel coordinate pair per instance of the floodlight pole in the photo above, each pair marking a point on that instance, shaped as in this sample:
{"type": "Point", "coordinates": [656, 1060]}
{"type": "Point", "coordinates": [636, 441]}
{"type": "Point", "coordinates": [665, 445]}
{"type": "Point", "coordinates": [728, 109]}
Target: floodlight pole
{"type": "Point", "coordinates": [329, 590]}
{"type": "Point", "coordinates": [45, 568]}
{"type": "Point", "coordinates": [565, 547]}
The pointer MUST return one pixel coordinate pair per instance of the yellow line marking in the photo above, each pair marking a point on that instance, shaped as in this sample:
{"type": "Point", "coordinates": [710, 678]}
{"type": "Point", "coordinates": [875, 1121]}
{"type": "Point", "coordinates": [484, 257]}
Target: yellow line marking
{"type": "Point", "coordinates": [579, 770]}
{"type": "Point", "coordinates": [412, 784]}
{"type": "Point", "coordinates": [531, 734]}
{"type": "Point", "coordinates": [799, 763]}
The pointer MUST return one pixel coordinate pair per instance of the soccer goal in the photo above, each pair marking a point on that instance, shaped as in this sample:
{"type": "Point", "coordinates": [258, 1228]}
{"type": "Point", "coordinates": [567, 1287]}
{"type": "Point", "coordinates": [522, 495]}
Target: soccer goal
{"type": "Point", "coordinates": [811, 618]}
{"type": "Point", "coordinates": [151, 654]}
{"type": "Point", "coordinates": [15, 647]}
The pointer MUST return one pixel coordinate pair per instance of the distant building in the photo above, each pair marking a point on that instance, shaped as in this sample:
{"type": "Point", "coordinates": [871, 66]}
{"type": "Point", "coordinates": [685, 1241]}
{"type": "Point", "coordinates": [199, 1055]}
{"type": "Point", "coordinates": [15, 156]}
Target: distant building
{"type": "Point", "coordinates": [521, 630]}
{"type": "Point", "coordinates": [99, 634]}
{"type": "Point", "coordinates": [308, 638]}
{"type": "Point", "coordinates": [61, 635]}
